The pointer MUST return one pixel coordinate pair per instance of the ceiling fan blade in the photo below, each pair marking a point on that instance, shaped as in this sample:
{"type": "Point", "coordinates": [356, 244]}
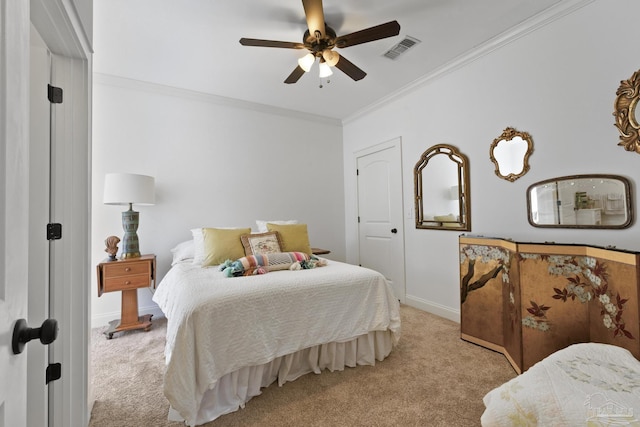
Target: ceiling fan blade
{"type": "Point", "coordinates": [295, 75]}
{"type": "Point", "coordinates": [270, 43]}
{"type": "Point", "coordinates": [315, 16]}
{"type": "Point", "coordinates": [349, 69]}
{"type": "Point", "coordinates": [378, 32]}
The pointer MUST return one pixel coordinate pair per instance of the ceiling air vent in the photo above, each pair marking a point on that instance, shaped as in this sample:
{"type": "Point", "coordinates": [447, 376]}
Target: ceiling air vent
{"type": "Point", "coordinates": [407, 43]}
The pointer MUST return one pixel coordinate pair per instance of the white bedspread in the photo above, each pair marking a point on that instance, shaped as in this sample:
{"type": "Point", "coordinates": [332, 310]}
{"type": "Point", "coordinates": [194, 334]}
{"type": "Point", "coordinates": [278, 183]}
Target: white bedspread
{"type": "Point", "coordinates": [582, 385]}
{"type": "Point", "coordinates": [217, 325]}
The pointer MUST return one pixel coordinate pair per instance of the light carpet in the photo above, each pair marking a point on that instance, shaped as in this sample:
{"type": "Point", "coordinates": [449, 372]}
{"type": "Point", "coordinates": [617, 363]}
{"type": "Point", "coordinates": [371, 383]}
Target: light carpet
{"type": "Point", "coordinates": [432, 378]}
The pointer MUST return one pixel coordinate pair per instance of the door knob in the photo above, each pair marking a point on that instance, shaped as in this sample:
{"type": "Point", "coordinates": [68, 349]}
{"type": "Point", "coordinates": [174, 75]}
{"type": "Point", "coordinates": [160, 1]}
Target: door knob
{"type": "Point", "coordinates": [22, 334]}
{"type": "Point", "coordinates": [394, 230]}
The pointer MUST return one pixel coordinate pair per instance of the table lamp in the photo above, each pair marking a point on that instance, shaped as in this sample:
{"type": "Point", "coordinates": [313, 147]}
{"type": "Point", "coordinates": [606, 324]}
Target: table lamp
{"type": "Point", "coordinates": [129, 189]}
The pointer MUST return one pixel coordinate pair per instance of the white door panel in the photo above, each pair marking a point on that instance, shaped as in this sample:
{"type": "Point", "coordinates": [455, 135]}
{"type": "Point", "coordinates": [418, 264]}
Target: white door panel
{"type": "Point", "coordinates": [14, 206]}
{"type": "Point", "coordinates": [380, 228]}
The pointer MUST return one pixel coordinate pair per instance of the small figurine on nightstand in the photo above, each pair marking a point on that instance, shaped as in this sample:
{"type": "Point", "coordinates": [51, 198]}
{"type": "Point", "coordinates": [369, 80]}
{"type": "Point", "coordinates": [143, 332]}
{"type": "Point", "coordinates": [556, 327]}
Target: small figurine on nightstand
{"type": "Point", "coordinates": [112, 247]}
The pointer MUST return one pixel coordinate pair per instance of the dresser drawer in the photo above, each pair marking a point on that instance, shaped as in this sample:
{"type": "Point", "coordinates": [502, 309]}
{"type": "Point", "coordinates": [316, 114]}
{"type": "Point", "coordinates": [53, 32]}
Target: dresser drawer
{"type": "Point", "coordinates": [130, 268]}
{"type": "Point", "coordinates": [126, 282]}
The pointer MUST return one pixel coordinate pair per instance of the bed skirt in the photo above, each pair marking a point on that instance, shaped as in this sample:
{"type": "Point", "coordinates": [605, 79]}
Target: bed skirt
{"type": "Point", "coordinates": [233, 390]}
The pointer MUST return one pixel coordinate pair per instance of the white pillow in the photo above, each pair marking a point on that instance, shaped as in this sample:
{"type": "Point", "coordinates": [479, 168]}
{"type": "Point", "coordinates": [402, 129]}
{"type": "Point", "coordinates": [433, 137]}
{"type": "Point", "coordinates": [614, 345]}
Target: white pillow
{"type": "Point", "coordinates": [198, 246]}
{"type": "Point", "coordinates": [183, 252]}
{"type": "Point", "coordinates": [262, 225]}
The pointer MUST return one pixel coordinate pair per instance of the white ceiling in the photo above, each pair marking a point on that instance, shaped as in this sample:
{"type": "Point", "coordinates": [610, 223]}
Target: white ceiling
{"type": "Point", "coordinates": [193, 44]}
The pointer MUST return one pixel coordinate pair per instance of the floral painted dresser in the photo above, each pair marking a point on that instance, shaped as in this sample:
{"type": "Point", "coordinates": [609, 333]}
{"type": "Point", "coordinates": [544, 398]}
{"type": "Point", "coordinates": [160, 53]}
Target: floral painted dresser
{"type": "Point", "coordinates": [528, 300]}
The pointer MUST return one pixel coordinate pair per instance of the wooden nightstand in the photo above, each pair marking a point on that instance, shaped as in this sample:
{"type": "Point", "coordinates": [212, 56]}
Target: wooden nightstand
{"type": "Point", "coordinates": [318, 251]}
{"type": "Point", "coordinates": [127, 275]}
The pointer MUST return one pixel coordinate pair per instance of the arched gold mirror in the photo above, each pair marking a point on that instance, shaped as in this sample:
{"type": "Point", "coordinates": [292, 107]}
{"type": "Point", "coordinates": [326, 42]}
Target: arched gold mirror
{"type": "Point", "coordinates": [441, 182]}
{"type": "Point", "coordinates": [626, 114]}
{"type": "Point", "coordinates": [510, 153]}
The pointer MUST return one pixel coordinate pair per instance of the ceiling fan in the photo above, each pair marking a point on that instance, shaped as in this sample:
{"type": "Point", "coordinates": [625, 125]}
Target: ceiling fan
{"type": "Point", "coordinates": [320, 39]}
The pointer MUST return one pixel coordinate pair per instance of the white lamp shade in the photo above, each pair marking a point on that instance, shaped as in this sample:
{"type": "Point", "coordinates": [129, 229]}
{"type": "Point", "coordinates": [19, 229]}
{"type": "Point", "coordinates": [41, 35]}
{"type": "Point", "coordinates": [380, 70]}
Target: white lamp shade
{"type": "Point", "coordinates": [454, 192]}
{"type": "Point", "coordinates": [306, 62]}
{"type": "Point", "coordinates": [325, 70]}
{"type": "Point", "coordinates": [125, 188]}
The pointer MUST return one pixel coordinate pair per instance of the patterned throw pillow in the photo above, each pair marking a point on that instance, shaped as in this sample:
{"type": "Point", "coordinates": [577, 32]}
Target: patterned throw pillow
{"type": "Point", "coordinates": [273, 262]}
{"type": "Point", "coordinates": [260, 264]}
{"type": "Point", "coordinates": [261, 243]}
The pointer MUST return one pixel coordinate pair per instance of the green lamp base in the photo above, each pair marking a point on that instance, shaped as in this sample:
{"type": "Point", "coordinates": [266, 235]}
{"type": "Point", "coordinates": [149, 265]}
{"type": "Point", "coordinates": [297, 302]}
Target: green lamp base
{"type": "Point", "coordinates": [130, 245]}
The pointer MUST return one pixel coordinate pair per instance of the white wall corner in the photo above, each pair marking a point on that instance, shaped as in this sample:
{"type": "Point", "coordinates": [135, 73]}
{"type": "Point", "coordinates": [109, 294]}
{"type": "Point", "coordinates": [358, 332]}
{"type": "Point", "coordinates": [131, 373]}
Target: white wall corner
{"type": "Point", "coordinates": [433, 308]}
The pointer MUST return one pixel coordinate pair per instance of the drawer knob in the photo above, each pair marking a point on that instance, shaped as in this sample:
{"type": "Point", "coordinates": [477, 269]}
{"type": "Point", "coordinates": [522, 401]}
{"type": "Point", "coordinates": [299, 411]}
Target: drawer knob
{"type": "Point", "coordinates": [127, 269]}
{"type": "Point", "coordinates": [128, 282]}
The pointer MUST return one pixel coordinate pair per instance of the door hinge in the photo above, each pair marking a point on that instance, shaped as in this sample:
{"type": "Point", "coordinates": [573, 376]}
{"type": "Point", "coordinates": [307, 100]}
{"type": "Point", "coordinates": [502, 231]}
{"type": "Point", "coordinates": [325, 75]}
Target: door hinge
{"type": "Point", "coordinates": [54, 94]}
{"type": "Point", "coordinates": [54, 231]}
{"type": "Point", "coordinates": [358, 220]}
{"type": "Point", "coordinates": [54, 372]}
{"type": "Point", "coordinates": [357, 172]}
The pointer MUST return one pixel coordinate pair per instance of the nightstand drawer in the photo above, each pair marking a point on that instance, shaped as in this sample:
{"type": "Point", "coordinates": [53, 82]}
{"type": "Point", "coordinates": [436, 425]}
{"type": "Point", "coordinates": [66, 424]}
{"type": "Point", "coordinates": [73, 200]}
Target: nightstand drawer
{"type": "Point", "coordinates": [130, 268]}
{"type": "Point", "coordinates": [126, 282]}
{"type": "Point", "coordinates": [126, 274]}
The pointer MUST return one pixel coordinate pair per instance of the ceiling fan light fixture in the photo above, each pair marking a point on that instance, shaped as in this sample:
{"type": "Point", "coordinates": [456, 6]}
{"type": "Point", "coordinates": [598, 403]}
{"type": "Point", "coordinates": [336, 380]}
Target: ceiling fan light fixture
{"type": "Point", "coordinates": [330, 57]}
{"type": "Point", "coordinates": [325, 70]}
{"type": "Point", "coordinates": [306, 62]}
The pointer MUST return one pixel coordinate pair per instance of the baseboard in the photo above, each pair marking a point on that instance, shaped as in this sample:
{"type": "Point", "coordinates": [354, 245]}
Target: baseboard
{"type": "Point", "coordinates": [433, 308]}
{"type": "Point", "coordinates": [101, 320]}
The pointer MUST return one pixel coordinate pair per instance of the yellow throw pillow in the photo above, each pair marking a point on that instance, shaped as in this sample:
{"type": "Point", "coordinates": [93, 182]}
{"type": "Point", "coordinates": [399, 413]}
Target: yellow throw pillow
{"type": "Point", "coordinates": [294, 237]}
{"type": "Point", "coordinates": [221, 244]}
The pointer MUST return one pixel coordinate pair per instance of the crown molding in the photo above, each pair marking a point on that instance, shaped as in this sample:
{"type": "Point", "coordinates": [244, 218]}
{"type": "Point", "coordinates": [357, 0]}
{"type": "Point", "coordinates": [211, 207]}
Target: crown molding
{"type": "Point", "coordinates": [553, 13]}
{"type": "Point", "coordinates": [139, 85]}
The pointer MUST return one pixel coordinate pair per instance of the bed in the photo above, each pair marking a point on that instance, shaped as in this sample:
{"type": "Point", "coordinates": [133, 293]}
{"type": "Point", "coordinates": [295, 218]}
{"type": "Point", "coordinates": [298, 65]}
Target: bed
{"type": "Point", "coordinates": [584, 384]}
{"type": "Point", "coordinates": [228, 337]}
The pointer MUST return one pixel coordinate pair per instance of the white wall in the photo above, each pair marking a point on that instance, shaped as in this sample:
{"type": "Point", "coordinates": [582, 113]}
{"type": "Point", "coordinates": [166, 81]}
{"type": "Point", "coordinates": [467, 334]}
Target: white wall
{"type": "Point", "coordinates": [217, 162]}
{"type": "Point", "coordinates": [558, 83]}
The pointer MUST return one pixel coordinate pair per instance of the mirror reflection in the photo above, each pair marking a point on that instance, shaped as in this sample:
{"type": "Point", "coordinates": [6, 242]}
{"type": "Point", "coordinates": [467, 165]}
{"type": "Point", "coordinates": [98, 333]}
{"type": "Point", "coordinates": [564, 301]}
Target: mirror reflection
{"type": "Point", "coordinates": [580, 201]}
{"type": "Point", "coordinates": [510, 153]}
{"type": "Point", "coordinates": [442, 189]}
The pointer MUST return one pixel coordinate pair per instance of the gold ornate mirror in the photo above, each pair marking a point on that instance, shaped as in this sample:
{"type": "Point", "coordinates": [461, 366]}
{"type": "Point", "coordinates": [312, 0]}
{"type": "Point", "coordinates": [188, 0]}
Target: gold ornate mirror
{"type": "Point", "coordinates": [510, 153]}
{"type": "Point", "coordinates": [626, 114]}
{"type": "Point", "coordinates": [581, 201]}
{"type": "Point", "coordinates": [441, 182]}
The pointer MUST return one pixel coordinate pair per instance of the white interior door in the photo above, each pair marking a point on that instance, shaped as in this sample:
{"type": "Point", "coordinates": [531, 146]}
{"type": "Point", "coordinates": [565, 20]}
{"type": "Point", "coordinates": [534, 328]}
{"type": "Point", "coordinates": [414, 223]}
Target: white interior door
{"type": "Point", "coordinates": [14, 206]}
{"type": "Point", "coordinates": [380, 219]}
{"type": "Point", "coordinates": [58, 23]}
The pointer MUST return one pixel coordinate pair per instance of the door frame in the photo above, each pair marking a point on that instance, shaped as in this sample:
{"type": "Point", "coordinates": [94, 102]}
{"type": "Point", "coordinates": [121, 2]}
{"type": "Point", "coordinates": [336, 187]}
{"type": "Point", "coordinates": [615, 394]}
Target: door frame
{"type": "Point", "coordinates": [396, 145]}
{"type": "Point", "coordinates": [61, 28]}
{"type": "Point", "coordinates": [39, 195]}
